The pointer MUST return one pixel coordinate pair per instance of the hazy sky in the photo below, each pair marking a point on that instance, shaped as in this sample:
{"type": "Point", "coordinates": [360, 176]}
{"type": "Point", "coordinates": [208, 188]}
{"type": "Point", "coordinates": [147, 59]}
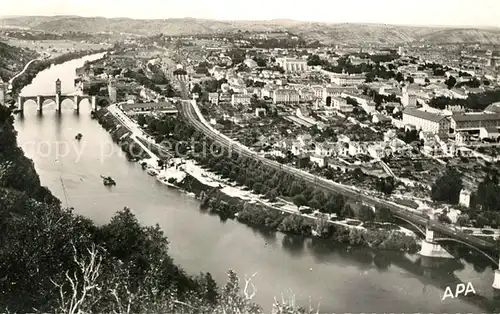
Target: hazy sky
{"type": "Point", "coordinates": [410, 12]}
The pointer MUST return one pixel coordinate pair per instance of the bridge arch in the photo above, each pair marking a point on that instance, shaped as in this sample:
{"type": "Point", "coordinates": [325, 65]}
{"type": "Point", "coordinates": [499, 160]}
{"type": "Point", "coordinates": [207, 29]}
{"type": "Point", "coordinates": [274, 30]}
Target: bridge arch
{"type": "Point", "coordinates": [83, 99]}
{"type": "Point", "coordinates": [66, 101]}
{"type": "Point", "coordinates": [46, 101]}
{"type": "Point", "coordinates": [422, 231]}
{"type": "Point", "coordinates": [468, 245]}
{"type": "Point", "coordinates": [29, 100]}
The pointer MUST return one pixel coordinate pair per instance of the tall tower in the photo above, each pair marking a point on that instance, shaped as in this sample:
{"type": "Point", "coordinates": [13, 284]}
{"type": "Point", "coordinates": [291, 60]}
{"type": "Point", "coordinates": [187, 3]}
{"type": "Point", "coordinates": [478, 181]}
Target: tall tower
{"type": "Point", "coordinates": [3, 89]}
{"type": "Point", "coordinates": [58, 87]}
{"type": "Point", "coordinates": [58, 96]}
{"type": "Point", "coordinates": [409, 99]}
{"type": "Point", "coordinates": [112, 90]}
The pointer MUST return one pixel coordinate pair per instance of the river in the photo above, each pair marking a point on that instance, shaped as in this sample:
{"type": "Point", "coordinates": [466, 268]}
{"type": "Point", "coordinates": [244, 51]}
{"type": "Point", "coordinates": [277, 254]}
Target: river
{"type": "Point", "coordinates": [338, 278]}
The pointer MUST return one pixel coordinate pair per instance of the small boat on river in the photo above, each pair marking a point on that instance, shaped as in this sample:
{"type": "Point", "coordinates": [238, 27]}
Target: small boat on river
{"type": "Point", "coordinates": [108, 181]}
{"type": "Point", "coordinates": [152, 172]}
{"type": "Point", "coordinates": [169, 182]}
{"type": "Point", "coordinates": [79, 136]}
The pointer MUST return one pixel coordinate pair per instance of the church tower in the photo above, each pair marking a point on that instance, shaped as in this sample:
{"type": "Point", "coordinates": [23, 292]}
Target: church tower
{"type": "Point", "coordinates": [112, 90]}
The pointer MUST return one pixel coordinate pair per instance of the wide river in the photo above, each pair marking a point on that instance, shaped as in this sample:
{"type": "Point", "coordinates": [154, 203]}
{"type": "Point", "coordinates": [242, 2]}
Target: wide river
{"type": "Point", "coordinates": [338, 278]}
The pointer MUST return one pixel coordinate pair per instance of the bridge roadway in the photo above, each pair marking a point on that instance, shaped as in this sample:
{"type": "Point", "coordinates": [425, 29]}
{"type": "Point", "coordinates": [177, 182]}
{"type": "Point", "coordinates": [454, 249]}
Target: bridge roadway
{"type": "Point", "coordinates": [399, 211]}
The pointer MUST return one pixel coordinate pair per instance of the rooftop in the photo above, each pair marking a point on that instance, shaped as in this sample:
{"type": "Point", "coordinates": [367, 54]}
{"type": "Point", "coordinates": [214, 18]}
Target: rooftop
{"type": "Point", "coordinates": [423, 114]}
{"type": "Point", "coordinates": [492, 130]}
{"type": "Point", "coordinates": [166, 105]}
{"type": "Point", "coordinates": [475, 116]}
{"type": "Point", "coordinates": [493, 108]}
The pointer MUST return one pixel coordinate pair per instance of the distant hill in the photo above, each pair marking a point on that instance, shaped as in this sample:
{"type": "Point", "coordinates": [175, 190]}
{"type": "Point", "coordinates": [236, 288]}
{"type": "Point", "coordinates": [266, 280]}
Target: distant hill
{"type": "Point", "coordinates": [324, 32]}
{"type": "Point", "coordinates": [13, 60]}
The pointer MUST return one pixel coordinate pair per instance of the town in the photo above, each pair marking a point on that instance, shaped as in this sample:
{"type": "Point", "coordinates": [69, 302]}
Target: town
{"type": "Point", "coordinates": [374, 146]}
{"type": "Point", "coordinates": [395, 123]}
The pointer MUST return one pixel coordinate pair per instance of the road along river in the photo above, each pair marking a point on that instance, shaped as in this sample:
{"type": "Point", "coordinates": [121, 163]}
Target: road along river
{"type": "Point", "coordinates": [339, 278]}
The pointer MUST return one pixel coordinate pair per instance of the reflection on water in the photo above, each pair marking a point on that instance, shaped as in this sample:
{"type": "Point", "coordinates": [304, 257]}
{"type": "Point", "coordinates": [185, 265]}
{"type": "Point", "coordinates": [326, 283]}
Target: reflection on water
{"type": "Point", "coordinates": [381, 261]}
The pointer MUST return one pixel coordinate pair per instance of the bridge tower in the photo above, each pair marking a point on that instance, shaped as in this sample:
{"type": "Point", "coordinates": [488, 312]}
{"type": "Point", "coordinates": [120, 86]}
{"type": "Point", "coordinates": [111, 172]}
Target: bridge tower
{"type": "Point", "coordinates": [112, 90]}
{"type": "Point", "coordinates": [432, 249]}
{"type": "Point", "coordinates": [58, 95]}
{"type": "Point", "coordinates": [3, 92]}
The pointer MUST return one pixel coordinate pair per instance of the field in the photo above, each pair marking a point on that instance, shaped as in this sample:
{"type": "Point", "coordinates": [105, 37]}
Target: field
{"type": "Point", "coordinates": [54, 48]}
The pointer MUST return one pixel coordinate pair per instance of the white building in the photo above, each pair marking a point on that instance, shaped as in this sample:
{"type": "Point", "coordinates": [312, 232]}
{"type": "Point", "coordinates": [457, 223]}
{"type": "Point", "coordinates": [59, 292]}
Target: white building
{"type": "Point", "coordinates": [285, 96]}
{"type": "Point", "coordinates": [341, 105]}
{"type": "Point", "coordinates": [409, 99]}
{"type": "Point", "coordinates": [355, 148]}
{"type": "Point", "coordinates": [213, 98]}
{"type": "Point", "coordinates": [464, 199]}
{"type": "Point", "coordinates": [293, 65]}
{"type": "Point", "coordinates": [240, 99]}
{"type": "Point", "coordinates": [346, 79]}
{"type": "Point", "coordinates": [426, 121]}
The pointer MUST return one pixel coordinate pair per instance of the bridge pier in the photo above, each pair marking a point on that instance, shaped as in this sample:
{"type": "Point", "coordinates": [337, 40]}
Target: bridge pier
{"type": "Point", "coordinates": [58, 102]}
{"type": "Point", "coordinates": [20, 104]}
{"type": "Point", "coordinates": [76, 102]}
{"type": "Point", "coordinates": [496, 278]}
{"type": "Point", "coordinates": [39, 103]}
{"type": "Point", "coordinates": [433, 249]}
{"type": "Point", "coordinates": [94, 103]}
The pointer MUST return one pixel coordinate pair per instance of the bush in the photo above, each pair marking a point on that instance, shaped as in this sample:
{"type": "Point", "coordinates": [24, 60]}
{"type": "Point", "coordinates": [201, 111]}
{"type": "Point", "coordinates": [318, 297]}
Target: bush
{"type": "Point", "coordinates": [481, 221]}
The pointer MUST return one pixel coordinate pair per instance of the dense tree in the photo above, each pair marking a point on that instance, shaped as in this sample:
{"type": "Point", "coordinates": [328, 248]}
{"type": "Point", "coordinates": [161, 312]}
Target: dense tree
{"type": "Point", "coordinates": [196, 89]}
{"type": "Point", "coordinates": [481, 221]}
{"type": "Point", "coordinates": [488, 194]}
{"type": "Point", "coordinates": [299, 200]}
{"type": "Point", "coordinates": [295, 189]}
{"type": "Point", "coordinates": [365, 213]}
{"type": "Point", "coordinates": [261, 62]}
{"type": "Point", "coordinates": [443, 218]}
{"type": "Point", "coordinates": [447, 187]}
{"type": "Point", "coordinates": [314, 60]}
{"type": "Point", "coordinates": [399, 77]}
{"type": "Point", "coordinates": [463, 220]}
{"type": "Point", "coordinates": [450, 82]}
{"type": "Point", "coordinates": [335, 204]}
{"type": "Point", "coordinates": [386, 185]}
{"type": "Point", "coordinates": [141, 120]}
{"type": "Point", "coordinates": [384, 214]}
{"type": "Point", "coordinates": [347, 211]}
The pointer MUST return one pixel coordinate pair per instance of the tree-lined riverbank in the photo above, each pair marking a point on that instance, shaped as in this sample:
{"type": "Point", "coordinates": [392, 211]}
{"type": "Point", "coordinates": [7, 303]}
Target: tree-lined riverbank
{"type": "Point", "coordinates": [42, 64]}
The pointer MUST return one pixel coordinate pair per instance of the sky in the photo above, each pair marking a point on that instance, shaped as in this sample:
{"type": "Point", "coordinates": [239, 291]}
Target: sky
{"type": "Point", "coordinates": [403, 12]}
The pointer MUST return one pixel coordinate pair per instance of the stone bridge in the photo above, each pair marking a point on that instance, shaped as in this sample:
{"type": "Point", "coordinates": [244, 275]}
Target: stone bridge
{"type": "Point", "coordinates": [58, 99]}
{"type": "Point", "coordinates": [431, 247]}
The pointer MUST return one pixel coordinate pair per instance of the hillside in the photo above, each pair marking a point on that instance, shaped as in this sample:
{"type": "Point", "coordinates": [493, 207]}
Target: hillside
{"type": "Point", "coordinates": [328, 33]}
{"type": "Point", "coordinates": [13, 60]}
{"type": "Point", "coordinates": [463, 35]}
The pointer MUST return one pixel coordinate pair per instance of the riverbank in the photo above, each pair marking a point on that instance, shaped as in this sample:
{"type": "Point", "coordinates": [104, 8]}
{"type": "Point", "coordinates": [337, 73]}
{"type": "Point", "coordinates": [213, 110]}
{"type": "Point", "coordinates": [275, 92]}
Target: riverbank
{"type": "Point", "coordinates": [230, 201]}
{"type": "Point", "coordinates": [36, 66]}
